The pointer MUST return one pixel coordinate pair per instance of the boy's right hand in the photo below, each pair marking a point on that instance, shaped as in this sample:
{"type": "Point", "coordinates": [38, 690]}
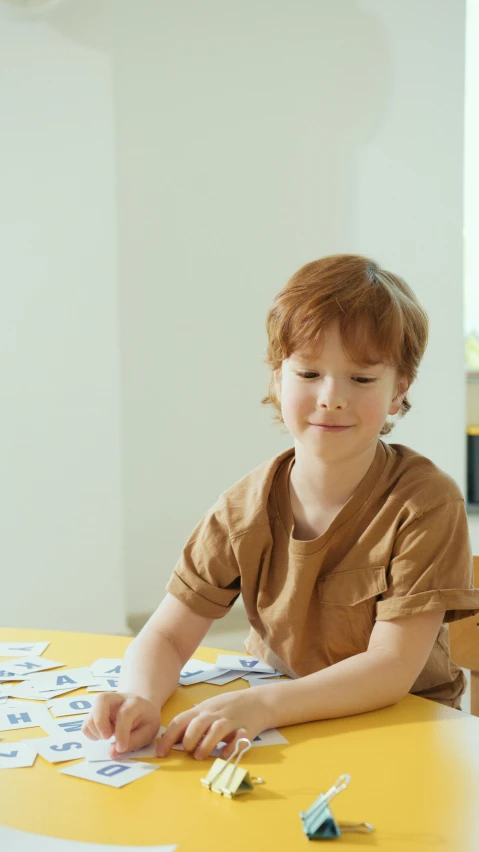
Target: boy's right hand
{"type": "Point", "coordinates": [133, 720]}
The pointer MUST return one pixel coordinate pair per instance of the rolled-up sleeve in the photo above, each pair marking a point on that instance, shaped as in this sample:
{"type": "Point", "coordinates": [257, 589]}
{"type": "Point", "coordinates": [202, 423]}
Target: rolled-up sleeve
{"type": "Point", "coordinates": [206, 577]}
{"type": "Point", "coordinates": [431, 567]}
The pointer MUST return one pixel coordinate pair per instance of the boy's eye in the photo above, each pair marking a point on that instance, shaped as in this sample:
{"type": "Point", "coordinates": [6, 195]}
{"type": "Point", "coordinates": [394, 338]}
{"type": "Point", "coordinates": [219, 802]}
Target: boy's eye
{"type": "Point", "coordinates": [361, 380]}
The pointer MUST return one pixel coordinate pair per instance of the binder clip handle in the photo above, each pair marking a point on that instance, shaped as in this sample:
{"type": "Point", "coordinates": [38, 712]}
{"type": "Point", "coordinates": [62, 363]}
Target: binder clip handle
{"type": "Point", "coordinates": [238, 752]}
{"type": "Point", "coordinates": [356, 827]}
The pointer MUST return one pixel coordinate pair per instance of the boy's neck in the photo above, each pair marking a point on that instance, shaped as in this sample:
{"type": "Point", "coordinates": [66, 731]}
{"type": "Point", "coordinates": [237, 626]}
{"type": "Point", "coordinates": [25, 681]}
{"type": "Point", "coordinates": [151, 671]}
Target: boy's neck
{"type": "Point", "coordinates": [328, 485]}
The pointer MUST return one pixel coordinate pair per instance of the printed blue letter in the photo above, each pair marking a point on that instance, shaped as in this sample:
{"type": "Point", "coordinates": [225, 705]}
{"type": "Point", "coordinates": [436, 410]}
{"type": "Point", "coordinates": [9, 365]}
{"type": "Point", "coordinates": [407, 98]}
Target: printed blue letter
{"type": "Point", "coordinates": [61, 679]}
{"type": "Point", "coordinates": [112, 769]}
{"type": "Point", "coordinates": [81, 705]}
{"type": "Point", "coordinates": [22, 717]}
{"type": "Point", "coordinates": [65, 746]}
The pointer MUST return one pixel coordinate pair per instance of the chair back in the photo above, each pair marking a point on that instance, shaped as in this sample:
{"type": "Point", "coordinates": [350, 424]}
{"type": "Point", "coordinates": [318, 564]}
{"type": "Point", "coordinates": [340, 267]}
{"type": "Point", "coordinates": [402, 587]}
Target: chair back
{"type": "Point", "coordinates": [464, 635]}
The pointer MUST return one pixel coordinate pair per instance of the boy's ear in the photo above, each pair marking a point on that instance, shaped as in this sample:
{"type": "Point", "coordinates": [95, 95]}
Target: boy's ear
{"type": "Point", "coordinates": [401, 392]}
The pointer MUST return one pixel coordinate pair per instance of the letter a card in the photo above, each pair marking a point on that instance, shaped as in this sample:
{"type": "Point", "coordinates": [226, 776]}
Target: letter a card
{"type": "Point", "coordinates": [68, 678]}
{"type": "Point", "coordinates": [249, 664]}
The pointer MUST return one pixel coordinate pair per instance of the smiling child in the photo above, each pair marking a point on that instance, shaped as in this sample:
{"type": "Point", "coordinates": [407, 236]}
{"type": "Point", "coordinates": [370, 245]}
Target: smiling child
{"type": "Point", "coordinates": [351, 554]}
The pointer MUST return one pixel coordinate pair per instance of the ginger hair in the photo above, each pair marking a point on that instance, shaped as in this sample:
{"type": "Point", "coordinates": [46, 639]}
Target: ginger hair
{"type": "Point", "coordinates": [380, 318]}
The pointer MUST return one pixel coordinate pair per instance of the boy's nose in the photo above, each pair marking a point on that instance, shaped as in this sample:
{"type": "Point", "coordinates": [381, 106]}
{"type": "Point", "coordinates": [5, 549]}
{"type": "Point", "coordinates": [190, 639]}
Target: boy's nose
{"type": "Point", "coordinates": [331, 396]}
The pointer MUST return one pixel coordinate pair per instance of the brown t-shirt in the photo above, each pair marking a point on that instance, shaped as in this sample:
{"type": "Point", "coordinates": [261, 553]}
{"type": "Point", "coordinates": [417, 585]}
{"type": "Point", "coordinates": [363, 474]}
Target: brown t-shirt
{"type": "Point", "coordinates": [399, 546]}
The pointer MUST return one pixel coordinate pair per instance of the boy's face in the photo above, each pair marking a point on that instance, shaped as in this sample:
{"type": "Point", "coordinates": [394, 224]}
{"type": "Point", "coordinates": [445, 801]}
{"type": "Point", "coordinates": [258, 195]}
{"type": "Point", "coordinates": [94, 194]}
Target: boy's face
{"type": "Point", "coordinates": [333, 407]}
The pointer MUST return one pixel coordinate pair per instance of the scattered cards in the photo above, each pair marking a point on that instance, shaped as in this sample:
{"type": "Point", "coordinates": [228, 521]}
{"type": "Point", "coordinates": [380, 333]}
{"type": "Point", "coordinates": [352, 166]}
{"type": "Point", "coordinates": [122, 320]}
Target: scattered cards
{"type": "Point", "coordinates": [59, 749]}
{"type": "Point", "coordinates": [28, 716]}
{"type": "Point", "coordinates": [223, 679]}
{"type": "Point", "coordinates": [28, 665]}
{"type": "Point", "coordinates": [69, 678]}
{"type": "Point", "coordinates": [104, 684]}
{"type": "Point", "coordinates": [226, 661]}
{"type": "Point", "coordinates": [67, 725]}
{"type": "Point", "coordinates": [70, 706]}
{"type": "Point", "coordinates": [27, 690]}
{"type": "Point", "coordinates": [106, 667]}
{"type": "Point", "coordinates": [63, 724]}
{"type": "Point", "coordinates": [14, 840]}
{"type": "Point", "coordinates": [9, 674]}
{"type": "Point", "coordinates": [259, 680]}
{"type": "Point", "coordinates": [267, 738]}
{"type": "Point", "coordinates": [19, 649]}
{"type": "Point", "coordinates": [99, 750]}
{"type": "Point", "coordinates": [197, 671]}
{"type": "Point", "coordinates": [15, 755]}
{"type": "Point", "coordinates": [112, 773]}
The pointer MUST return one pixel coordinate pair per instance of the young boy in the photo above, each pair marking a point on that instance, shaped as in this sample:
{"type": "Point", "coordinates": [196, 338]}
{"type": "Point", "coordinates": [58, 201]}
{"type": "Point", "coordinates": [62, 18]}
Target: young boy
{"type": "Point", "coordinates": [350, 553]}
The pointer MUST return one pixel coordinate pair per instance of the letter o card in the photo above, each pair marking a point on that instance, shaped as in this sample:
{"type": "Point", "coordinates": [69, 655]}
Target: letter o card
{"type": "Point", "coordinates": [70, 706]}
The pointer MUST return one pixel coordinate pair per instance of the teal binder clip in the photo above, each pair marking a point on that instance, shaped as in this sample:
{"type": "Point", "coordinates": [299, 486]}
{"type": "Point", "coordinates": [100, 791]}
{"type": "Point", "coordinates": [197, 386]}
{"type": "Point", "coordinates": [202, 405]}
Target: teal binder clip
{"type": "Point", "coordinates": [318, 821]}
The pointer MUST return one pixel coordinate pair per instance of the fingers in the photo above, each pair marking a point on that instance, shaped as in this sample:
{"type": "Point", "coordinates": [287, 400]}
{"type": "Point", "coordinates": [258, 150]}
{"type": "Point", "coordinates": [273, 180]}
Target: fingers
{"type": "Point", "coordinates": [217, 733]}
{"type": "Point", "coordinates": [196, 730]}
{"type": "Point", "coordinates": [98, 724]}
{"type": "Point", "coordinates": [200, 733]}
{"type": "Point", "coordinates": [90, 729]}
{"type": "Point", "coordinates": [174, 733]}
{"type": "Point", "coordinates": [237, 735]}
{"type": "Point", "coordinates": [139, 738]}
{"type": "Point", "coordinates": [125, 722]}
{"type": "Point", "coordinates": [104, 708]}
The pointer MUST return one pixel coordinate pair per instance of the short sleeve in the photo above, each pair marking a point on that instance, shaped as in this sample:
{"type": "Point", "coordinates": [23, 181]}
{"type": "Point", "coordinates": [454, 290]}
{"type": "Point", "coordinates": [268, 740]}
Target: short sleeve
{"type": "Point", "coordinates": [206, 577]}
{"type": "Point", "coordinates": [431, 567]}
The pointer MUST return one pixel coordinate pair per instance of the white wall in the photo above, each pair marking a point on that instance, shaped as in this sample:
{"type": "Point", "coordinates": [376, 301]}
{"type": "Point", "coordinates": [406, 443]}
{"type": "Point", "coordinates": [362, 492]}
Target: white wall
{"type": "Point", "coordinates": [471, 172]}
{"type": "Point", "coordinates": [410, 205]}
{"type": "Point", "coordinates": [61, 513]}
{"type": "Point", "coordinates": [251, 138]}
{"type": "Point", "coordinates": [246, 139]}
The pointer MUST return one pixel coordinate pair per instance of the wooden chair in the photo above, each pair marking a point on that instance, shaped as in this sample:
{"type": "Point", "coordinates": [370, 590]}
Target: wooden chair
{"type": "Point", "coordinates": [464, 640]}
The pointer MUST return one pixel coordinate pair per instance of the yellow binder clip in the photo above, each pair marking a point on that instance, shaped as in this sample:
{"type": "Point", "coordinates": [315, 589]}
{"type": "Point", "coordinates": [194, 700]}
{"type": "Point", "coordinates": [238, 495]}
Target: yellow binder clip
{"type": "Point", "coordinates": [229, 779]}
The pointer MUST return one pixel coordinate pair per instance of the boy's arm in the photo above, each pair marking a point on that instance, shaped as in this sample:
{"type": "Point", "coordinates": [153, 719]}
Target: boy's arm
{"type": "Point", "coordinates": [398, 651]}
{"type": "Point", "coordinates": [153, 661]}
{"type": "Point", "coordinates": [149, 675]}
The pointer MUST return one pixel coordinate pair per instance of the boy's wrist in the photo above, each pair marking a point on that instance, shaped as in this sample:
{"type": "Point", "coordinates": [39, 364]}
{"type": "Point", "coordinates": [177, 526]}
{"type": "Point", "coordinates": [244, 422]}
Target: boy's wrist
{"type": "Point", "coordinates": [145, 694]}
{"type": "Point", "coordinates": [268, 698]}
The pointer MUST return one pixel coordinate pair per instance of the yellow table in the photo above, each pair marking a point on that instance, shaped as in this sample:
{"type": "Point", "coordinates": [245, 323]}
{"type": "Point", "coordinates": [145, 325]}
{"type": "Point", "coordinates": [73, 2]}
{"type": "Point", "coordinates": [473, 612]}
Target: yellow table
{"type": "Point", "coordinates": [414, 775]}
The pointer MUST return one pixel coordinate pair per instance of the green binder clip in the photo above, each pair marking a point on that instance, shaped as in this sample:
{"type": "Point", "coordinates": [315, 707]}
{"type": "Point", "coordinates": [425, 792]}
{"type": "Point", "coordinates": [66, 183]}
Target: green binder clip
{"type": "Point", "coordinates": [318, 821]}
{"type": "Point", "coordinates": [231, 780]}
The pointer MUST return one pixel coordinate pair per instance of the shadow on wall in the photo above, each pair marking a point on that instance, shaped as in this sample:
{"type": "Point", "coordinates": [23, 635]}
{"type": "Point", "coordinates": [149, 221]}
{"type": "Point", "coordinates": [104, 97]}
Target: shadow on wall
{"type": "Point", "coordinates": [85, 22]}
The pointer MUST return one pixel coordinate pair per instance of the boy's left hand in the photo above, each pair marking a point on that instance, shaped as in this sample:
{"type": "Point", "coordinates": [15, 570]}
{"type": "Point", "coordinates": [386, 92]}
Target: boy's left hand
{"type": "Point", "coordinates": [224, 718]}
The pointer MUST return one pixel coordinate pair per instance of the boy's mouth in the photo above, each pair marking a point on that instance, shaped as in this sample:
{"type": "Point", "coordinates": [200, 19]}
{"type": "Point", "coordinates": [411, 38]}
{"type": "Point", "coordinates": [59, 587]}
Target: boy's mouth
{"type": "Point", "coordinates": [326, 427]}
